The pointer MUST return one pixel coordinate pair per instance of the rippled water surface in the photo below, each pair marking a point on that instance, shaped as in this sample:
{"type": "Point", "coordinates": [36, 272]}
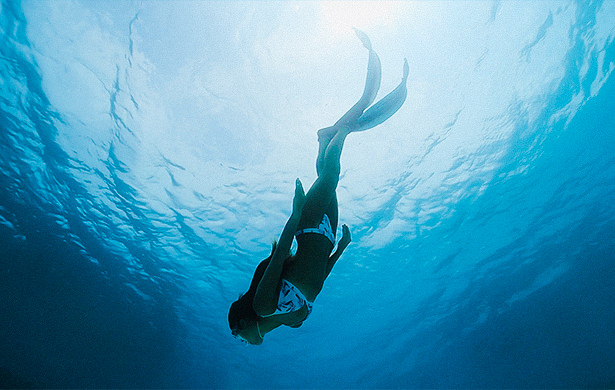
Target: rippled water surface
{"type": "Point", "coordinates": [148, 152]}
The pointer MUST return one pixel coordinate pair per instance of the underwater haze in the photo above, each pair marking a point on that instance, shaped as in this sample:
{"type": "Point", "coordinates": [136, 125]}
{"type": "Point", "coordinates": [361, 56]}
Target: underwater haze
{"type": "Point", "coordinates": [148, 155]}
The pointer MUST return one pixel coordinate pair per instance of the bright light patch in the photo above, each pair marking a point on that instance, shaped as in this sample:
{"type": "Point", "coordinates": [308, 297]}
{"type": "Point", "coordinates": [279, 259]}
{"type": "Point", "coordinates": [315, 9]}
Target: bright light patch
{"type": "Point", "coordinates": [341, 16]}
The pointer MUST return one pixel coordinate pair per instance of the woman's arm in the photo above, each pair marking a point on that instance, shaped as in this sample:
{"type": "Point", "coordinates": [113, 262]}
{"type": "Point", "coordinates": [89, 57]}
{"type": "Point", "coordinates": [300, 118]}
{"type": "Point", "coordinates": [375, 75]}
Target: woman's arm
{"type": "Point", "coordinates": [266, 300]}
{"type": "Point", "coordinates": [344, 241]}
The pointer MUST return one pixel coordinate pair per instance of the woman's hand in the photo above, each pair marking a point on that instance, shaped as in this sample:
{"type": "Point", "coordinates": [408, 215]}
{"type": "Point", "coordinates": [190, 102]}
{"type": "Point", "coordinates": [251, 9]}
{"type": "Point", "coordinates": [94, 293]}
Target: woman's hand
{"type": "Point", "coordinates": [346, 237]}
{"type": "Point", "coordinates": [299, 199]}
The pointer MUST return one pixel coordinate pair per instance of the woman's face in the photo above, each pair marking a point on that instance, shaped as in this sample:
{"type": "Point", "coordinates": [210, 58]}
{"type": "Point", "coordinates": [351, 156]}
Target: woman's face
{"type": "Point", "coordinates": [248, 333]}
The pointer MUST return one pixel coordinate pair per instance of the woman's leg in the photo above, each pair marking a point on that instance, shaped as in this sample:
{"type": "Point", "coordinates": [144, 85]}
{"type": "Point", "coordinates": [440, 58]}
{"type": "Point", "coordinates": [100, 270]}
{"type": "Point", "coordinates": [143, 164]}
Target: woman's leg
{"type": "Point", "coordinates": [321, 197]}
{"type": "Point", "coordinates": [324, 137]}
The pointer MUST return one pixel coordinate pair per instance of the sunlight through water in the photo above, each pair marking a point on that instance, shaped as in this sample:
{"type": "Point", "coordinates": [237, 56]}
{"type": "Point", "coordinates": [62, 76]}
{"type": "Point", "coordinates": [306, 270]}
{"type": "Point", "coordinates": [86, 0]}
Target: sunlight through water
{"type": "Point", "coordinates": [340, 16]}
{"type": "Point", "coordinates": [148, 155]}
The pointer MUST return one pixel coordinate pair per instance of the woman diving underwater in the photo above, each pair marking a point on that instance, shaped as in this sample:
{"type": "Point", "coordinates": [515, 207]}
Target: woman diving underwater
{"type": "Point", "coordinates": [284, 286]}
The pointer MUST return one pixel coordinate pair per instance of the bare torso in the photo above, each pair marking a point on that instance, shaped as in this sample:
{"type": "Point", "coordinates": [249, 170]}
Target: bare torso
{"type": "Point", "coordinates": [307, 268]}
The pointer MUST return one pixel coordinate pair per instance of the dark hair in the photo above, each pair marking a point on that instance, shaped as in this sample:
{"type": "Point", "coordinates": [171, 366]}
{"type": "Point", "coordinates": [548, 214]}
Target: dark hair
{"type": "Point", "coordinates": [242, 308]}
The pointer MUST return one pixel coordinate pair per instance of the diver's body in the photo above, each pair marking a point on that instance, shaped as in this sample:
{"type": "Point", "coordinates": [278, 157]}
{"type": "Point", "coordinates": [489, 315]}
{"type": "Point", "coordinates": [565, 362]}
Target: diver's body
{"type": "Point", "coordinates": [284, 286]}
{"type": "Point", "coordinates": [309, 267]}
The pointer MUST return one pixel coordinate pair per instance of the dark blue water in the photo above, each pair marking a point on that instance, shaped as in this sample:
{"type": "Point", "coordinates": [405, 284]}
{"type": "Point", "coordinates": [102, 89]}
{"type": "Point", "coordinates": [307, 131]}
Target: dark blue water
{"type": "Point", "coordinates": [147, 158]}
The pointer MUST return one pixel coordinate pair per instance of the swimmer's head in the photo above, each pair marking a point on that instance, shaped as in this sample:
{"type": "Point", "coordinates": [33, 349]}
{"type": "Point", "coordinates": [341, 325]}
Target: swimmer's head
{"type": "Point", "coordinates": [242, 318]}
{"type": "Point", "coordinates": [247, 331]}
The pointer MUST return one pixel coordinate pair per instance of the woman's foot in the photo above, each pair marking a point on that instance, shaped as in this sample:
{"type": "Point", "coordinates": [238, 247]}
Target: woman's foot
{"type": "Point", "coordinates": [361, 116]}
{"type": "Point", "coordinates": [327, 133]}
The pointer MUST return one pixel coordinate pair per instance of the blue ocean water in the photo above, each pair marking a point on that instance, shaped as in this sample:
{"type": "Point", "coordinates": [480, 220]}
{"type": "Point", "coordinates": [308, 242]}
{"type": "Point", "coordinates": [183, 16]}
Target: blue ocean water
{"type": "Point", "coordinates": [148, 152]}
